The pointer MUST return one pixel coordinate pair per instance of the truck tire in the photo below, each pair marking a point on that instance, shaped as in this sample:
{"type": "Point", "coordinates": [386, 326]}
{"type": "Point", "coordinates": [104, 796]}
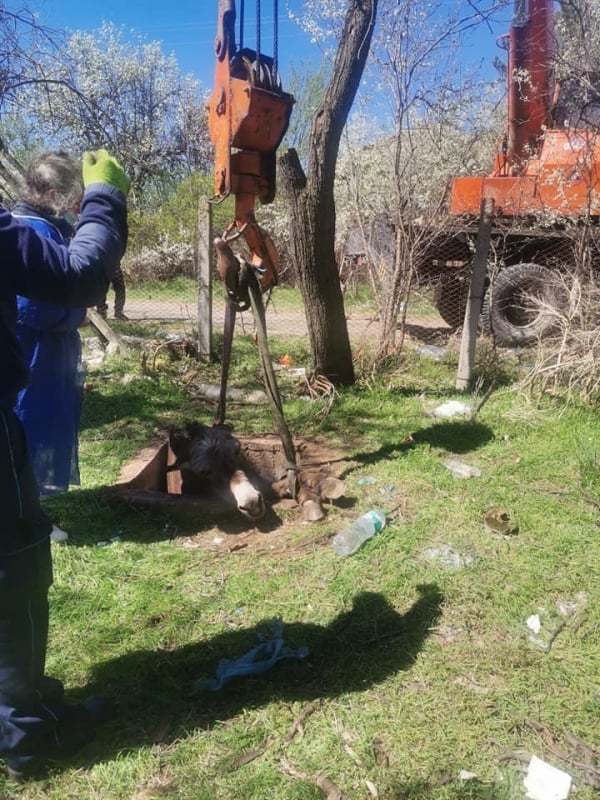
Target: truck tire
{"type": "Point", "coordinates": [507, 312]}
{"type": "Point", "coordinates": [450, 299]}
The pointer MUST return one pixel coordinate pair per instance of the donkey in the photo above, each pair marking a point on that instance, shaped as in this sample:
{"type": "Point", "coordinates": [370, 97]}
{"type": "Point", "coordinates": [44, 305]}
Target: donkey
{"type": "Point", "coordinates": [210, 458]}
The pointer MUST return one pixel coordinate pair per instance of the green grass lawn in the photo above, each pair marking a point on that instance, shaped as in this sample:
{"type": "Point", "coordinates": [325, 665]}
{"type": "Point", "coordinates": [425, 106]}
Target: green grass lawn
{"type": "Point", "coordinates": [421, 664]}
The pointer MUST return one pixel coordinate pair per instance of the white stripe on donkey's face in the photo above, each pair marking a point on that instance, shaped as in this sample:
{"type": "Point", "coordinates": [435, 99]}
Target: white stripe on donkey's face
{"type": "Point", "coordinates": [213, 453]}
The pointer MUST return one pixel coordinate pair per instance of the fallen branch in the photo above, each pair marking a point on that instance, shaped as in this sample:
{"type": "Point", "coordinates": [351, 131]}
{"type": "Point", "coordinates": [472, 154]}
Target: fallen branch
{"type": "Point", "coordinates": [327, 786]}
{"type": "Point", "coordinates": [589, 498]}
{"type": "Point", "coordinates": [299, 721]}
{"type": "Point", "coordinates": [252, 755]}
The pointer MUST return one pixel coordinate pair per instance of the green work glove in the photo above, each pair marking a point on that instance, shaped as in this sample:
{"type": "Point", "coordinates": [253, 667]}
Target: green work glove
{"type": "Point", "coordinates": [99, 167]}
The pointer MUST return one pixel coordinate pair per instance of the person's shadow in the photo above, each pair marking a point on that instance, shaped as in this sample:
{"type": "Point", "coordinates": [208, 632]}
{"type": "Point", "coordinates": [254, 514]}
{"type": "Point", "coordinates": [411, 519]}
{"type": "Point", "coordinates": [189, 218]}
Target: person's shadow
{"type": "Point", "coordinates": [156, 698]}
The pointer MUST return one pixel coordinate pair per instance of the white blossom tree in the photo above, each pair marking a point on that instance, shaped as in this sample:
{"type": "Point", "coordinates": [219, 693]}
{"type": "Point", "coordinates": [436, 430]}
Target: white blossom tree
{"type": "Point", "coordinates": [577, 61]}
{"type": "Point", "coordinates": [25, 46]}
{"type": "Point", "coordinates": [112, 89]}
{"type": "Point", "coordinates": [437, 121]}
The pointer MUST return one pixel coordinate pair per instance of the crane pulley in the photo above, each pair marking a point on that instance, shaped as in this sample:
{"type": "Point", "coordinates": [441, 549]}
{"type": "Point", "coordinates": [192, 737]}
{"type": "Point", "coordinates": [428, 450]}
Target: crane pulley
{"type": "Point", "coordinates": [248, 115]}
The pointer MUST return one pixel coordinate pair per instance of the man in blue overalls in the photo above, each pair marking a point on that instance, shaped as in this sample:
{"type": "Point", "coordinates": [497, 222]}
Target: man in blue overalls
{"type": "Point", "coordinates": [36, 722]}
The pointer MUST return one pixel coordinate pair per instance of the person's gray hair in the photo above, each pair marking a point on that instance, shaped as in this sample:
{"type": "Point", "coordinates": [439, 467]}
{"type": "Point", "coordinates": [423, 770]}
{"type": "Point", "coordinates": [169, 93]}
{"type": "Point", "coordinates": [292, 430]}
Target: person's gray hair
{"type": "Point", "coordinates": [53, 180]}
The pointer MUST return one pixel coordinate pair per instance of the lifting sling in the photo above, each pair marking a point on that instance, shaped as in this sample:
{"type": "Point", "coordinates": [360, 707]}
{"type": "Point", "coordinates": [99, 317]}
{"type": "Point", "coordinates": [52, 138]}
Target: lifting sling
{"type": "Point", "coordinates": [248, 115]}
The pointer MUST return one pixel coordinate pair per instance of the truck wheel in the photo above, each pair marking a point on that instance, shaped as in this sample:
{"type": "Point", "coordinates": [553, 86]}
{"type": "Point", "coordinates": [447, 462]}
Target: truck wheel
{"type": "Point", "coordinates": [450, 299]}
{"type": "Point", "coordinates": [508, 312]}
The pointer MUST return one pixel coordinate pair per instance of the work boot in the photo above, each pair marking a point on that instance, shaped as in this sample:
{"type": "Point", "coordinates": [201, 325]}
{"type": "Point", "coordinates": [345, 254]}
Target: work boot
{"type": "Point", "coordinates": [97, 707]}
{"type": "Point", "coordinates": [78, 730]}
{"type": "Point", "coordinates": [122, 316]}
{"type": "Point", "coordinates": [29, 771]}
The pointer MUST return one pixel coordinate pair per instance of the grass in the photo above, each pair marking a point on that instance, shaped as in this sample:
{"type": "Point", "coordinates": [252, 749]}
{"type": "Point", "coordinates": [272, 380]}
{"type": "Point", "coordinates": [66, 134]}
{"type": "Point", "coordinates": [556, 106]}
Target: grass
{"type": "Point", "coordinates": [417, 670]}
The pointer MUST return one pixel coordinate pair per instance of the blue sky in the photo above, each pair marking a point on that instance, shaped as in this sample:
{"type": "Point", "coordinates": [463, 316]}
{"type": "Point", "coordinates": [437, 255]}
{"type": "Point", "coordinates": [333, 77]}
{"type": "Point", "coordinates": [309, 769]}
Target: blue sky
{"type": "Point", "coordinates": [187, 28]}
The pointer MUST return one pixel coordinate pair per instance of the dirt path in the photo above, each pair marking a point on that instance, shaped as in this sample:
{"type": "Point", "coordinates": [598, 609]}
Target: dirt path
{"type": "Point", "coordinates": [293, 323]}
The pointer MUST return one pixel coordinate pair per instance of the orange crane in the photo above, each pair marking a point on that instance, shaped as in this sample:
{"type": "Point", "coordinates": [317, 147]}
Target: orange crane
{"type": "Point", "coordinates": [546, 175]}
{"type": "Point", "coordinates": [248, 115]}
{"type": "Point", "coordinates": [539, 166]}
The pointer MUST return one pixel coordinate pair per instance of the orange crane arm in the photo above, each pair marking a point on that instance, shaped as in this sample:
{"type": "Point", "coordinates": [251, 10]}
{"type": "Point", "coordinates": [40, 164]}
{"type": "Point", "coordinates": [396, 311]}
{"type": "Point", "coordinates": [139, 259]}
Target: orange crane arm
{"type": "Point", "coordinates": [248, 115]}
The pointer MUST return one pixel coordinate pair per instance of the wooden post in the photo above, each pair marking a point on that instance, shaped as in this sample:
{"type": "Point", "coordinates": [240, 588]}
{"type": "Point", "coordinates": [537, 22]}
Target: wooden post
{"type": "Point", "coordinates": [473, 310]}
{"type": "Point", "coordinates": [204, 261]}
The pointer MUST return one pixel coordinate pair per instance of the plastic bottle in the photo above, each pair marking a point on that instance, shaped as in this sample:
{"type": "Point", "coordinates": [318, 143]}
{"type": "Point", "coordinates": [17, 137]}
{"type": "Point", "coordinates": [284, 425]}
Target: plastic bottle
{"type": "Point", "coordinates": [351, 538]}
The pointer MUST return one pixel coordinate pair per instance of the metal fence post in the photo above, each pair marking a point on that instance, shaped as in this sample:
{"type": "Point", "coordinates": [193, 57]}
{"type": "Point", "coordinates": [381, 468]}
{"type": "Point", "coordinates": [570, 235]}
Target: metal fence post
{"type": "Point", "coordinates": [473, 310]}
{"type": "Point", "coordinates": [204, 261]}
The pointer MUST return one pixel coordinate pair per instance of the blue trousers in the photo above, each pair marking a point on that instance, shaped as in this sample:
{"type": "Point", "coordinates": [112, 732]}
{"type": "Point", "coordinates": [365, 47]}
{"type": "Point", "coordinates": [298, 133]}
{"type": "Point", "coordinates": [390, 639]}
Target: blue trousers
{"type": "Point", "coordinates": [36, 723]}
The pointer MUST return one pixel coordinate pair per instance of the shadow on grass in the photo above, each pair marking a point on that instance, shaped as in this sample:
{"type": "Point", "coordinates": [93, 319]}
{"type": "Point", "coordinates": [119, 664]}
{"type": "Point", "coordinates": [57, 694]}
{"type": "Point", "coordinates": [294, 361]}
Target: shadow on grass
{"type": "Point", "coordinates": [454, 437]}
{"type": "Point", "coordinates": [93, 515]}
{"type": "Point", "coordinates": [154, 691]}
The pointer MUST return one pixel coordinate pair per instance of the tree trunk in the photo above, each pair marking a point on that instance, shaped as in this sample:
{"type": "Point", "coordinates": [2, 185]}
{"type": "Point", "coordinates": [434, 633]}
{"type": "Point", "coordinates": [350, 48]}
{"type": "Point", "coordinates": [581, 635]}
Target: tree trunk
{"type": "Point", "coordinates": [312, 207]}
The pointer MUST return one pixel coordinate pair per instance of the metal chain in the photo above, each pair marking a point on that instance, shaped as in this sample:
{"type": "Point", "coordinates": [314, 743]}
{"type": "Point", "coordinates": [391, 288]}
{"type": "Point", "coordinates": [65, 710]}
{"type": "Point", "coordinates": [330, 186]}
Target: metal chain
{"type": "Point", "coordinates": [241, 24]}
{"type": "Point", "coordinates": [258, 25]}
{"type": "Point", "coordinates": [275, 41]}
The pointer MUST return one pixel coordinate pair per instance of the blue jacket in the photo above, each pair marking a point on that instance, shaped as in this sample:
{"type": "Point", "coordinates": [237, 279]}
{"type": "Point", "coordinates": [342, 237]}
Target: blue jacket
{"type": "Point", "coordinates": [37, 267]}
{"type": "Point", "coordinates": [50, 405]}
{"type": "Point", "coordinates": [33, 314]}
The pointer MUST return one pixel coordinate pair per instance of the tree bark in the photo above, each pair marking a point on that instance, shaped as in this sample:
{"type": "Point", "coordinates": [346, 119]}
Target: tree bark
{"type": "Point", "coordinates": [312, 206]}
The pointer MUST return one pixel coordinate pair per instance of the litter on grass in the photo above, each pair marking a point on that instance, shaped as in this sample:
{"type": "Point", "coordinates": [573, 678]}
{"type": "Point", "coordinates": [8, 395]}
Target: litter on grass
{"type": "Point", "coordinates": [460, 470]}
{"type": "Point", "coordinates": [366, 480]}
{"type": "Point", "coordinates": [260, 659]}
{"type": "Point", "coordinates": [534, 624]}
{"type": "Point", "coordinates": [448, 557]}
{"type": "Point", "coordinates": [431, 351]}
{"type": "Point", "coordinates": [498, 522]}
{"type": "Point", "coordinates": [452, 408]}
{"type": "Point", "coordinates": [545, 782]}
{"type": "Point", "coordinates": [104, 543]}
{"type": "Point", "coordinates": [547, 624]}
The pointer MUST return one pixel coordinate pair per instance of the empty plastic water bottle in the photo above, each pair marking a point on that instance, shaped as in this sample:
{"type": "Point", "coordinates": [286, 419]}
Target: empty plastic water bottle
{"type": "Point", "coordinates": [351, 538]}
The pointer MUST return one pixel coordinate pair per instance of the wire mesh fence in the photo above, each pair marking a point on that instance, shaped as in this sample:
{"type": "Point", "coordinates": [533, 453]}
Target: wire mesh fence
{"type": "Point", "coordinates": [522, 267]}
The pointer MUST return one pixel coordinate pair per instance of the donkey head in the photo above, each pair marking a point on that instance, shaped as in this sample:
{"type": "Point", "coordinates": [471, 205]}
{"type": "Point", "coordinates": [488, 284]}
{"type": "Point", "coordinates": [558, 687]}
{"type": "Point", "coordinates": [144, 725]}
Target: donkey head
{"type": "Point", "coordinates": [213, 454]}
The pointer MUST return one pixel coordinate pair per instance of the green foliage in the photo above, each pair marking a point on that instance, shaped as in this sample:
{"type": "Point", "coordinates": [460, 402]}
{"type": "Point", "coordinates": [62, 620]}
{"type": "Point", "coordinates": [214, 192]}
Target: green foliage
{"type": "Point", "coordinates": [172, 213]}
{"type": "Point", "coordinates": [588, 455]}
{"type": "Point", "coordinates": [163, 232]}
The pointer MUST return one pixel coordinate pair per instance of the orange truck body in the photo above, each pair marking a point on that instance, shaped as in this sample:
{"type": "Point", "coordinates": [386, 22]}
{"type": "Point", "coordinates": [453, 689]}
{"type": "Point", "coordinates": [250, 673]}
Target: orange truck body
{"type": "Point", "coordinates": [563, 179]}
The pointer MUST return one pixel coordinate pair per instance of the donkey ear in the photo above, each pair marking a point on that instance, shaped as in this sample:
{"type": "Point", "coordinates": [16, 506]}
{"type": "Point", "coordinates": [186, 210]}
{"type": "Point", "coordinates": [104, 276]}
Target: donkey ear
{"type": "Point", "coordinates": [232, 446]}
{"type": "Point", "coordinates": [196, 430]}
